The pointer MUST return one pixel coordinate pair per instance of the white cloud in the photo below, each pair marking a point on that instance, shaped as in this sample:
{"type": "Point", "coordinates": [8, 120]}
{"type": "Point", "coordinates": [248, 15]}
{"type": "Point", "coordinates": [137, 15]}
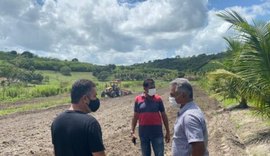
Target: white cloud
{"type": "Point", "coordinates": [210, 38]}
{"type": "Point", "coordinates": [104, 32]}
{"type": "Point", "coordinates": [101, 31]}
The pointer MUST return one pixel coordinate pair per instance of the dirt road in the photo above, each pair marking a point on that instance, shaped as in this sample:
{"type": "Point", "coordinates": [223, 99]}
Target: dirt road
{"type": "Point", "coordinates": [29, 133]}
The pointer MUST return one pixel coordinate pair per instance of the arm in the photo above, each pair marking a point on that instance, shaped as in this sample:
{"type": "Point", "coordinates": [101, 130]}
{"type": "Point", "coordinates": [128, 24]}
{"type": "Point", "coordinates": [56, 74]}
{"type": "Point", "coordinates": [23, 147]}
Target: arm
{"type": "Point", "coordinates": [195, 134]}
{"type": "Point", "coordinates": [134, 122]}
{"type": "Point", "coordinates": [102, 153]}
{"type": "Point", "coordinates": [95, 140]}
{"type": "Point", "coordinates": [166, 124]}
{"type": "Point", "coordinates": [135, 117]}
{"type": "Point", "coordinates": [165, 121]}
{"type": "Point", "coordinates": [198, 148]}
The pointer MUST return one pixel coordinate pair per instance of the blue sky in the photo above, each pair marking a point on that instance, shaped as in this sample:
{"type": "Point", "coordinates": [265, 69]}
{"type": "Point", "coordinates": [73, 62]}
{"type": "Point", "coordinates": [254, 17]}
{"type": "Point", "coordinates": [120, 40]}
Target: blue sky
{"type": "Point", "coordinates": [221, 4]}
{"type": "Point", "coordinates": [120, 31]}
{"type": "Point", "coordinates": [40, 2]}
{"type": "Point", "coordinates": [212, 4]}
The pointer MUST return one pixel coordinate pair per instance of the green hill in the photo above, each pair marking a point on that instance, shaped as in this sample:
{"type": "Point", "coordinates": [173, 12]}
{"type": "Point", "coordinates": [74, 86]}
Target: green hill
{"type": "Point", "coordinates": [198, 63]}
{"type": "Point", "coordinates": [24, 67]}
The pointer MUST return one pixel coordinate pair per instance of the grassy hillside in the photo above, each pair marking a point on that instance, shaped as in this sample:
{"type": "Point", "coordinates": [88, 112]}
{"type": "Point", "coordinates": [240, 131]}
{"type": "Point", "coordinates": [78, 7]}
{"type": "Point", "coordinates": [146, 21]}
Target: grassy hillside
{"type": "Point", "coordinates": [55, 78]}
{"type": "Point", "coordinates": [28, 60]}
{"type": "Point", "coordinates": [165, 69]}
{"type": "Point", "coordinates": [200, 63]}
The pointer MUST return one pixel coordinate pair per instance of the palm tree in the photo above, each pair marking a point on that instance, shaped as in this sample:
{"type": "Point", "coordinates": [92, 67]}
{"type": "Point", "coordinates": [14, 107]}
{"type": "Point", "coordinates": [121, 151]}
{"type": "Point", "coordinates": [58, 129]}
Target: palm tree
{"type": "Point", "coordinates": [253, 63]}
{"type": "Point", "coordinates": [226, 81]}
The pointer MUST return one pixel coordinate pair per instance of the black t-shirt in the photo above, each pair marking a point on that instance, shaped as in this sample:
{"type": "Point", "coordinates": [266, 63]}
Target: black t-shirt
{"type": "Point", "coordinates": [76, 134]}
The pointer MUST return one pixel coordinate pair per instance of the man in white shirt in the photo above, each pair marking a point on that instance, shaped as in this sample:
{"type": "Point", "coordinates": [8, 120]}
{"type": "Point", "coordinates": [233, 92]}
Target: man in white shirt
{"type": "Point", "coordinates": [190, 131]}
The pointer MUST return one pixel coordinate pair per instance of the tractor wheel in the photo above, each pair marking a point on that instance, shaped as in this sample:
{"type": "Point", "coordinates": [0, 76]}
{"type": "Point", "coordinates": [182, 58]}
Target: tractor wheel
{"type": "Point", "coordinates": [103, 94]}
{"type": "Point", "coordinates": [120, 93]}
{"type": "Point", "coordinates": [113, 94]}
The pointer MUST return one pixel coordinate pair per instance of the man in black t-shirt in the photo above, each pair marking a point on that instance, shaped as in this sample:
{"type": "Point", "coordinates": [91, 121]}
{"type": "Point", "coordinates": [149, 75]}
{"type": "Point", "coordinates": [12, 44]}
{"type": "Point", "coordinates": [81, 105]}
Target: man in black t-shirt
{"type": "Point", "coordinates": [74, 133]}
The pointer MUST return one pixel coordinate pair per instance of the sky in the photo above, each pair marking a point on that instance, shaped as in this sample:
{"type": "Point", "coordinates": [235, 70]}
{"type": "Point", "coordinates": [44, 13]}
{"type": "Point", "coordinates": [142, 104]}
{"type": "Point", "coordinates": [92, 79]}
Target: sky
{"type": "Point", "coordinates": [121, 32]}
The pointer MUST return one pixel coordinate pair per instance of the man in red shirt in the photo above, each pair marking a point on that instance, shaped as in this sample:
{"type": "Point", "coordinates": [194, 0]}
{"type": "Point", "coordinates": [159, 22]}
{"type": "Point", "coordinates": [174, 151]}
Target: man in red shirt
{"type": "Point", "coordinates": [150, 112]}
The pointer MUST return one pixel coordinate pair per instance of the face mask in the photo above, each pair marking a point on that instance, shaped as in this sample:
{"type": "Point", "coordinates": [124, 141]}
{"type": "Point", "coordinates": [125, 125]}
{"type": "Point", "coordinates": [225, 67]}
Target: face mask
{"type": "Point", "coordinates": [94, 105]}
{"type": "Point", "coordinates": [173, 102]}
{"type": "Point", "coordinates": [152, 92]}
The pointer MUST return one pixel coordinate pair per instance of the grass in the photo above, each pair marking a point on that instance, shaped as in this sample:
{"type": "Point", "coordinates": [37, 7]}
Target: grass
{"type": "Point", "coordinates": [227, 102]}
{"type": "Point", "coordinates": [136, 86]}
{"type": "Point", "coordinates": [58, 80]}
{"type": "Point", "coordinates": [11, 100]}
{"type": "Point", "coordinates": [36, 106]}
{"type": "Point", "coordinates": [57, 84]}
{"type": "Point", "coordinates": [56, 77]}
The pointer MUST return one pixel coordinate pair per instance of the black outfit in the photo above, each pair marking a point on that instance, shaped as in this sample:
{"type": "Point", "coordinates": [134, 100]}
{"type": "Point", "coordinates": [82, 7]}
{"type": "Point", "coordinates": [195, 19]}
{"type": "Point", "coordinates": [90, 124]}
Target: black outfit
{"type": "Point", "coordinates": [75, 133]}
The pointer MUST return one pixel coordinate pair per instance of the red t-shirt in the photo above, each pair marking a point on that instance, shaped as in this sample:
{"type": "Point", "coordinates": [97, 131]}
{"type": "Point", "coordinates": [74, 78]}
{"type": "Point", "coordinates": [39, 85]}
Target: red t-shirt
{"type": "Point", "coordinates": [149, 109]}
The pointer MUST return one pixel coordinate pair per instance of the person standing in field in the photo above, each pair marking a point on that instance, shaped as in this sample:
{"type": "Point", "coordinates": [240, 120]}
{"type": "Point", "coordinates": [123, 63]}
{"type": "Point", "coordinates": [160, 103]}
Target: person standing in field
{"type": "Point", "coordinates": [149, 111]}
{"type": "Point", "coordinates": [190, 131]}
{"type": "Point", "coordinates": [74, 132]}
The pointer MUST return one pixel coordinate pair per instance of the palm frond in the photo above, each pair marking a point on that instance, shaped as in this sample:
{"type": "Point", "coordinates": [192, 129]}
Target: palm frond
{"type": "Point", "coordinates": [251, 69]}
{"type": "Point", "coordinates": [232, 17]}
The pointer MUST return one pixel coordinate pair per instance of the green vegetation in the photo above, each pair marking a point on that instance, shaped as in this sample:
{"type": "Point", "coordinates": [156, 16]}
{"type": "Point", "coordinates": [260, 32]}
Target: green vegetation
{"type": "Point", "coordinates": [166, 69]}
{"type": "Point", "coordinates": [136, 86]}
{"type": "Point", "coordinates": [197, 64]}
{"type": "Point", "coordinates": [26, 76]}
{"type": "Point", "coordinates": [65, 70]}
{"type": "Point", "coordinates": [50, 90]}
{"type": "Point", "coordinates": [15, 74]}
{"type": "Point", "coordinates": [56, 77]}
{"type": "Point", "coordinates": [132, 73]}
{"type": "Point", "coordinates": [54, 84]}
{"type": "Point", "coordinates": [29, 61]}
{"type": "Point", "coordinates": [32, 107]}
{"type": "Point", "coordinates": [246, 72]}
{"type": "Point", "coordinates": [239, 74]}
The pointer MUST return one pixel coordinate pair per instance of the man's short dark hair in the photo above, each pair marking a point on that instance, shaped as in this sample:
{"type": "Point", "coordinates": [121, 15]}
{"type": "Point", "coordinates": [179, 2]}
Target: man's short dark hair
{"type": "Point", "coordinates": [148, 82]}
{"type": "Point", "coordinates": [80, 88]}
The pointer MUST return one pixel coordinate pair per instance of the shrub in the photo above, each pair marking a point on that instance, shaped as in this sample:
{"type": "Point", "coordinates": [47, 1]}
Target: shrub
{"type": "Point", "coordinates": [13, 92]}
{"type": "Point", "coordinates": [65, 70]}
{"type": "Point", "coordinates": [45, 91]}
{"type": "Point", "coordinates": [126, 85]}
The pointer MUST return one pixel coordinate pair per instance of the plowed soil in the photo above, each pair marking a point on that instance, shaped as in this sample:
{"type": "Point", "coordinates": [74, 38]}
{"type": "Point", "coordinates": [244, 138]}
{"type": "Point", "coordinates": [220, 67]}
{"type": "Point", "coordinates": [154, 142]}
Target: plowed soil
{"type": "Point", "coordinates": [28, 133]}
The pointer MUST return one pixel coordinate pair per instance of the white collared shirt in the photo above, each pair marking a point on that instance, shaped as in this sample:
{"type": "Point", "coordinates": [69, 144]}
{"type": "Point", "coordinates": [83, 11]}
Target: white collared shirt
{"type": "Point", "coordinates": [190, 126]}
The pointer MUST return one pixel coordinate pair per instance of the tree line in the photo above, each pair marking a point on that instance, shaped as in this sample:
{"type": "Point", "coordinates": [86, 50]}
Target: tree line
{"type": "Point", "coordinates": [165, 69]}
{"type": "Point", "coordinates": [200, 63]}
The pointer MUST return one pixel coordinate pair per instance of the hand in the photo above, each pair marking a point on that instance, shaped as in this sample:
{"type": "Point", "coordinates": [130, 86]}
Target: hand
{"type": "Point", "coordinates": [167, 137]}
{"type": "Point", "coordinates": [133, 138]}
